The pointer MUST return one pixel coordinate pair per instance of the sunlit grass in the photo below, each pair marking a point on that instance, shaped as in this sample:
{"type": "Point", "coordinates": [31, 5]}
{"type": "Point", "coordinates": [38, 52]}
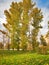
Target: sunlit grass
{"type": "Point", "coordinates": [22, 58]}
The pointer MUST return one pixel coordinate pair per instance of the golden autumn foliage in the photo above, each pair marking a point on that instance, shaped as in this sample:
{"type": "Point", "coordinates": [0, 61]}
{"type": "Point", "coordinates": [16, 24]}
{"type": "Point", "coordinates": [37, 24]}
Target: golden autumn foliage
{"type": "Point", "coordinates": [18, 18]}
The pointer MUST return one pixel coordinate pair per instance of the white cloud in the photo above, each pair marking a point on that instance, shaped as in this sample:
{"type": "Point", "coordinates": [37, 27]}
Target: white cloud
{"type": "Point", "coordinates": [45, 10]}
{"type": "Point", "coordinates": [5, 5]}
{"type": "Point", "coordinates": [45, 20]}
{"type": "Point", "coordinates": [2, 20]}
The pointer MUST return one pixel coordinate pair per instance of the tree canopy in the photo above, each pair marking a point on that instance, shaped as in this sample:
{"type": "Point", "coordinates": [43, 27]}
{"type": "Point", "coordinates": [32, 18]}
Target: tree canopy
{"type": "Point", "coordinates": [18, 19]}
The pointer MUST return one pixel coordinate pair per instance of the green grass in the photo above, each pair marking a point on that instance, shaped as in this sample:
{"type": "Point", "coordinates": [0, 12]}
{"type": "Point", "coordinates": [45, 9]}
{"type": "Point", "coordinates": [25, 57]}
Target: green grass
{"type": "Point", "coordinates": [22, 58]}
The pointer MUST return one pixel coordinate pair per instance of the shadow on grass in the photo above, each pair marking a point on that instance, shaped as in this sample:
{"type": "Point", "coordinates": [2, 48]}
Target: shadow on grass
{"type": "Point", "coordinates": [15, 52]}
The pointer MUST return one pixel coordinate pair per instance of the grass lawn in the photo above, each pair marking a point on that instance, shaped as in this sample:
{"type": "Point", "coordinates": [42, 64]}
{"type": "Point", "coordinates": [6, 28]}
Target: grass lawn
{"type": "Point", "coordinates": [22, 58]}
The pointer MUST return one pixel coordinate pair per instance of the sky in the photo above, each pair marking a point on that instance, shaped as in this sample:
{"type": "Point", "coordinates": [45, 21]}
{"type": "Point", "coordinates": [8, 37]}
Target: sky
{"type": "Point", "coordinates": [43, 4]}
